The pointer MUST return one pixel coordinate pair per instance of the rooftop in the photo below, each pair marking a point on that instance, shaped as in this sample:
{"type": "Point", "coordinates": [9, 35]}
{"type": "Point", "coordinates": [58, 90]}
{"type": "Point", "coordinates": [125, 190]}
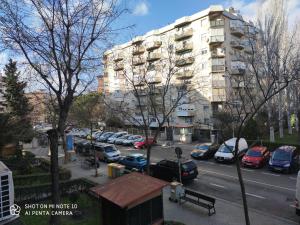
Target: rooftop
{"type": "Point", "coordinates": [129, 190]}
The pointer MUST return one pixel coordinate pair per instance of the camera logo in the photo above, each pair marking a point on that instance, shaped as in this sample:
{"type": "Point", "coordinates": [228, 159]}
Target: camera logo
{"type": "Point", "coordinates": [15, 210]}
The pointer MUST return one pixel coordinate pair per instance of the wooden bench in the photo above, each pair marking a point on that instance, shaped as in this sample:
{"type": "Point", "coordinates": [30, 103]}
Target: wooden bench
{"type": "Point", "coordinates": [199, 199]}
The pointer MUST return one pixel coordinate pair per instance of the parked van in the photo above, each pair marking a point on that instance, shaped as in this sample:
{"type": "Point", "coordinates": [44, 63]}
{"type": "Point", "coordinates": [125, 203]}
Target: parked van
{"type": "Point", "coordinates": [107, 152]}
{"type": "Point", "coordinates": [297, 203]}
{"type": "Point", "coordinates": [226, 151]}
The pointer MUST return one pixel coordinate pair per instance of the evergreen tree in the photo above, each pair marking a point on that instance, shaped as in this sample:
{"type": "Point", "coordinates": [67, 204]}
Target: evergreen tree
{"type": "Point", "coordinates": [17, 103]}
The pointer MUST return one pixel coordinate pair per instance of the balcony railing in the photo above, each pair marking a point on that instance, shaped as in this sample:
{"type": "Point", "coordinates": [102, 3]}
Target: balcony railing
{"type": "Point", "coordinates": [218, 98]}
{"type": "Point", "coordinates": [218, 83]}
{"type": "Point", "coordinates": [217, 23]}
{"type": "Point", "coordinates": [183, 34]}
{"type": "Point", "coordinates": [138, 50]}
{"type": "Point", "coordinates": [119, 57]}
{"type": "Point", "coordinates": [138, 61]}
{"type": "Point", "coordinates": [185, 61]}
{"type": "Point", "coordinates": [138, 80]}
{"type": "Point", "coordinates": [119, 66]}
{"type": "Point", "coordinates": [153, 45]}
{"type": "Point", "coordinates": [184, 74]}
{"type": "Point", "coordinates": [218, 53]}
{"type": "Point", "coordinates": [153, 77]}
{"type": "Point", "coordinates": [153, 56]}
{"type": "Point", "coordinates": [218, 68]}
{"type": "Point", "coordinates": [184, 47]}
{"type": "Point", "coordinates": [237, 28]}
{"type": "Point", "coordinates": [216, 39]}
{"type": "Point", "coordinates": [237, 67]}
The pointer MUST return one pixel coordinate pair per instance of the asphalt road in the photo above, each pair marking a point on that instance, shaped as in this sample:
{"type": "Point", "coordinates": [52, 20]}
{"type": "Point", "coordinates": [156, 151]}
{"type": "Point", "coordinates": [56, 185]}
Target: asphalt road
{"type": "Point", "coordinates": [267, 192]}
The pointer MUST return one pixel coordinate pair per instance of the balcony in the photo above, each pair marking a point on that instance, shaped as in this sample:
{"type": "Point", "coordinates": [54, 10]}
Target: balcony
{"type": "Point", "coordinates": [152, 56]}
{"type": "Point", "coordinates": [184, 74]}
{"type": "Point", "coordinates": [218, 83]}
{"type": "Point", "coordinates": [118, 57]}
{"type": "Point", "coordinates": [237, 28]}
{"type": "Point", "coordinates": [184, 47]}
{"type": "Point", "coordinates": [238, 44]}
{"type": "Point", "coordinates": [216, 39]}
{"type": "Point", "coordinates": [185, 110]}
{"type": "Point", "coordinates": [137, 50]}
{"type": "Point", "coordinates": [218, 53]}
{"type": "Point", "coordinates": [185, 62]}
{"type": "Point", "coordinates": [138, 61]}
{"type": "Point", "coordinates": [237, 84]}
{"type": "Point", "coordinates": [238, 67]}
{"type": "Point", "coordinates": [119, 66]}
{"type": "Point", "coordinates": [137, 39]}
{"type": "Point", "coordinates": [217, 23]}
{"type": "Point", "coordinates": [217, 68]}
{"type": "Point", "coordinates": [138, 80]}
{"type": "Point", "coordinates": [153, 45]}
{"type": "Point", "coordinates": [218, 98]}
{"type": "Point", "coordinates": [153, 77]}
{"type": "Point", "coordinates": [183, 34]}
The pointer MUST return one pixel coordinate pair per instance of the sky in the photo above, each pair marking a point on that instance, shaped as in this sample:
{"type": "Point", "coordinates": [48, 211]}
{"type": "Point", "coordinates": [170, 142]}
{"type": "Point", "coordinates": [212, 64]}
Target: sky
{"type": "Point", "coordinates": [147, 15]}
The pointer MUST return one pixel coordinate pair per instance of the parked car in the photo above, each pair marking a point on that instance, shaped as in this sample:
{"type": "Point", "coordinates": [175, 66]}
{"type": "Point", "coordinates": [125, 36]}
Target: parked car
{"type": "Point", "coordinates": [256, 156]}
{"type": "Point", "coordinates": [134, 161]}
{"type": "Point", "coordinates": [204, 151]}
{"type": "Point", "coordinates": [103, 137]}
{"type": "Point", "coordinates": [113, 137]}
{"type": "Point", "coordinates": [284, 159]}
{"type": "Point", "coordinates": [143, 143]}
{"type": "Point", "coordinates": [83, 147]}
{"type": "Point", "coordinates": [131, 140]}
{"type": "Point", "coordinates": [226, 151]}
{"type": "Point", "coordinates": [168, 170]}
{"type": "Point", "coordinates": [120, 140]}
{"type": "Point", "coordinates": [95, 134]}
{"type": "Point", "coordinates": [107, 152]}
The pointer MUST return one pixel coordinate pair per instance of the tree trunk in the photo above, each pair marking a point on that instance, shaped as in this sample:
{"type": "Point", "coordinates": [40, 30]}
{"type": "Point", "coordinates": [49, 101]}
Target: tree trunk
{"type": "Point", "coordinates": [288, 111]}
{"type": "Point", "coordinates": [53, 138]}
{"type": "Point", "coordinates": [242, 185]}
{"type": "Point", "coordinates": [271, 128]}
{"type": "Point", "coordinates": [280, 116]}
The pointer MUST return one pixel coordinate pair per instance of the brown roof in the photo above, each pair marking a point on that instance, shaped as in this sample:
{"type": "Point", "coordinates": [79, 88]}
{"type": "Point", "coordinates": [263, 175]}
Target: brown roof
{"type": "Point", "coordinates": [129, 189]}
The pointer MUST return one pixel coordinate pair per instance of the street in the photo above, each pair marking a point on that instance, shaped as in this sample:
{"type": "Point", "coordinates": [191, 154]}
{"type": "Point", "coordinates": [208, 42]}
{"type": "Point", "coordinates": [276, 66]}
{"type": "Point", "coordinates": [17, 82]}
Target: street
{"type": "Point", "coordinates": [270, 193]}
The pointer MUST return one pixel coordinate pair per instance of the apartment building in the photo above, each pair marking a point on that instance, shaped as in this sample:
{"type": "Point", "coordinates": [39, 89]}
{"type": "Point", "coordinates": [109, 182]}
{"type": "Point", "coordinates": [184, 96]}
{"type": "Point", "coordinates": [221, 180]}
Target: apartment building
{"type": "Point", "coordinates": [2, 99]}
{"type": "Point", "coordinates": [208, 48]}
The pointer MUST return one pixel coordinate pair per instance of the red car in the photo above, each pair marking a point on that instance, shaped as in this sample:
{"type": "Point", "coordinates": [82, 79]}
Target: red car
{"type": "Point", "coordinates": [142, 143]}
{"type": "Point", "coordinates": [256, 157]}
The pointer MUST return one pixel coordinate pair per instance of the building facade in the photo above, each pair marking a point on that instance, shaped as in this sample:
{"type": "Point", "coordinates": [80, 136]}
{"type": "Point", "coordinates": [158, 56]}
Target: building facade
{"type": "Point", "coordinates": [209, 48]}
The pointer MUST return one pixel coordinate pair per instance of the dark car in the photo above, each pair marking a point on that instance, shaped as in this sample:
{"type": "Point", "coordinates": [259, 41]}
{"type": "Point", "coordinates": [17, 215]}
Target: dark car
{"type": "Point", "coordinates": [168, 170]}
{"type": "Point", "coordinates": [284, 159]}
{"type": "Point", "coordinates": [83, 147]}
{"type": "Point", "coordinates": [204, 151]}
{"type": "Point", "coordinates": [134, 161]}
{"type": "Point", "coordinates": [256, 157]}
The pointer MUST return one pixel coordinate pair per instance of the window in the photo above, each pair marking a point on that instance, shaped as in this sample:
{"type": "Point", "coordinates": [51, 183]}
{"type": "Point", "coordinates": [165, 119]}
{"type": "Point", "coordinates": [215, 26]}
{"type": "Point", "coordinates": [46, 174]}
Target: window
{"type": "Point", "coordinates": [189, 120]}
{"type": "Point", "coordinates": [206, 121]}
{"type": "Point", "coordinates": [203, 66]}
{"type": "Point", "coordinates": [203, 37]}
{"type": "Point", "coordinates": [205, 108]}
{"type": "Point", "coordinates": [203, 51]}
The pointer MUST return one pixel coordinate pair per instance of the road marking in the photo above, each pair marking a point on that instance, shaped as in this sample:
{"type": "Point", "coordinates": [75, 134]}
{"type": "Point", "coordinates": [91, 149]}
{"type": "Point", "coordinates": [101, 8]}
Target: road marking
{"type": "Point", "coordinates": [247, 170]}
{"type": "Point", "coordinates": [217, 185]}
{"type": "Point", "coordinates": [256, 196]}
{"type": "Point", "coordinates": [293, 178]}
{"type": "Point", "coordinates": [271, 174]}
{"type": "Point", "coordinates": [251, 181]}
{"type": "Point", "coordinates": [224, 165]}
{"type": "Point", "coordinates": [293, 206]}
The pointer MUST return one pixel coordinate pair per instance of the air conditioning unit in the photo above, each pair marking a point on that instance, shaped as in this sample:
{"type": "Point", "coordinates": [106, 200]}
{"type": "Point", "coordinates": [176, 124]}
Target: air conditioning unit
{"type": "Point", "coordinates": [6, 194]}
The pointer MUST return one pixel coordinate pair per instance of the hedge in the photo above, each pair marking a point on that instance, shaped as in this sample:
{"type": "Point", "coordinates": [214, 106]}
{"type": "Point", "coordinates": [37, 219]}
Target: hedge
{"type": "Point", "coordinates": [43, 191]}
{"type": "Point", "coordinates": [29, 179]}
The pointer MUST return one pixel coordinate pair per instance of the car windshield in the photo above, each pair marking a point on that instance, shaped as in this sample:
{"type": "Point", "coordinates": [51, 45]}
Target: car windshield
{"type": "Point", "coordinates": [202, 147]}
{"type": "Point", "coordinates": [225, 149]}
{"type": "Point", "coordinates": [253, 153]}
{"type": "Point", "coordinates": [140, 140]}
{"type": "Point", "coordinates": [140, 159]}
{"type": "Point", "coordinates": [107, 134]}
{"type": "Point", "coordinates": [125, 137]}
{"type": "Point", "coordinates": [110, 149]}
{"type": "Point", "coordinates": [188, 165]}
{"type": "Point", "coordinates": [281, 155]}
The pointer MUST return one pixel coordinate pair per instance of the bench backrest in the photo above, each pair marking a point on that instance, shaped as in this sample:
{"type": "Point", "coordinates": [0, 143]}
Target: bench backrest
{"type": "Point", "coordinates": [198, 195]}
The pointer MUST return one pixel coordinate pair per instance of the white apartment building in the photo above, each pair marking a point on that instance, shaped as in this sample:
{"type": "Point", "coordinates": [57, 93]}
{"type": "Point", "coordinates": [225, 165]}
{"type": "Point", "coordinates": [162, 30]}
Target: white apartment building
{"type": "Point", "coordinates": [207, 46]}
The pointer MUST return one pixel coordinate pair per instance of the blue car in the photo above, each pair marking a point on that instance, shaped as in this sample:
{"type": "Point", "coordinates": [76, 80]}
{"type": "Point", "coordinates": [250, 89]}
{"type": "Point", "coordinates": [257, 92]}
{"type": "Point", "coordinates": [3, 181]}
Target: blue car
{"type": "Point", "coordinates": [284, 159]}
{"type": "Point", "coordinates": [134, 161]}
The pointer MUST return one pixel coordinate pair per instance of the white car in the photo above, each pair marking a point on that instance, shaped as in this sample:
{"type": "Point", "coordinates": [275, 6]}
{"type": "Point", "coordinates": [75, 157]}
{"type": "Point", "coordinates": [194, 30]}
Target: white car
{"type": "Point", "coordinates": [225, 151]}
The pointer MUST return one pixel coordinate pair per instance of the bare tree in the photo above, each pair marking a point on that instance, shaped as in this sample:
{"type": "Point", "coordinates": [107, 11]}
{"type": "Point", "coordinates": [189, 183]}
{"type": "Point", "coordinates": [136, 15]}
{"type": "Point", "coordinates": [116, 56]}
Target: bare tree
{"type": "Point", "coordinates": [156, 83]}
{"type": "Point", "coordinates": [273, 64]}
{"type": "Point", "coordinates": [62, 41]}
